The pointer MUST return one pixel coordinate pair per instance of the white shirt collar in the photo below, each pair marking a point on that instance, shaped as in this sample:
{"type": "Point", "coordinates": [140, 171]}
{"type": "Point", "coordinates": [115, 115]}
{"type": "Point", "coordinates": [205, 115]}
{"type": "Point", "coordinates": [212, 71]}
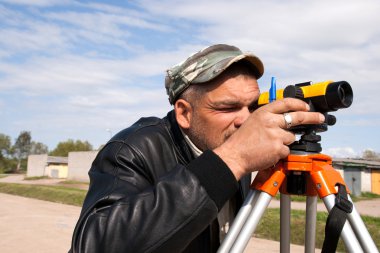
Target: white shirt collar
{"type": "Point", "coordinates": [196, 151]}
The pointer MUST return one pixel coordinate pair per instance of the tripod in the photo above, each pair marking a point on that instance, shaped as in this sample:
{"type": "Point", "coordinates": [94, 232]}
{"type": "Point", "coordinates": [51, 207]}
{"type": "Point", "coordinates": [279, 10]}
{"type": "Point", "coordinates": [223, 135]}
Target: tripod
{"type": "Point", "coordinates": [305, 171]}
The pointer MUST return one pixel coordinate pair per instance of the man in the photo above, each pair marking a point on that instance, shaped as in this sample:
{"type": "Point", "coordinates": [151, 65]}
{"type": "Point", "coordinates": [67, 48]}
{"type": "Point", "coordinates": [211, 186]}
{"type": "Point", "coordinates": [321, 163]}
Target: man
{"type": "Point", "coordinates": [174, 184]}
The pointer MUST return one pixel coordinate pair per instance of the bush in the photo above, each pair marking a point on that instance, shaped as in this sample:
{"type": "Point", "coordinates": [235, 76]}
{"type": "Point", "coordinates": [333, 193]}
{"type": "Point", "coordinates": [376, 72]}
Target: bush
{"type": "Point", "coordinates": [9, 165]}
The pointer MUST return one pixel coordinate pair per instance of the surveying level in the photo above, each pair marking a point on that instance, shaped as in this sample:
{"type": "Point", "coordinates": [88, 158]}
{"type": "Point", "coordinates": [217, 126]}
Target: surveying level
{"type": "Point", "coordinates": [304, 172]}
{"type": "Point", "coordinates": [322, 97]}
{"type": "Point", "coordinates": [326, 96]}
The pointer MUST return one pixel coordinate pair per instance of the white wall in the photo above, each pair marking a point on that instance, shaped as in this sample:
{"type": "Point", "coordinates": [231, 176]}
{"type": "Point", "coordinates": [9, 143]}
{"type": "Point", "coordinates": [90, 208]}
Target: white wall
{"type": "Point", "coordinates": [80, 164]}
{"type": "Point", "coordinates": [36, 165]}
{"type": "Point", "coordinates": [366, 180]}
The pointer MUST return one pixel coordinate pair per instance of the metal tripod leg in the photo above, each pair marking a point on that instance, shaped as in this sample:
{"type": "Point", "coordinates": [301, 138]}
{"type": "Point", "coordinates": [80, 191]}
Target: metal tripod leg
{"type": "Point", "coordinates": [284, 223]}
{"type": "Point", "coordinates": [310, 227]}
{"type": "Point", "coordinates": [243, 228]}
{"type": "Point", "coordinates": [251, 223]}
{"type": "Point", "coordinates": [354, 231]}
{"type": "Point", "coordinates": [311, 223]}
{"type": "Point", "coordinates": [361, 231]}
{"type": "Point", "coordinates": [239, 221]}
{"type": "Point", "coordinates": [347, 235]}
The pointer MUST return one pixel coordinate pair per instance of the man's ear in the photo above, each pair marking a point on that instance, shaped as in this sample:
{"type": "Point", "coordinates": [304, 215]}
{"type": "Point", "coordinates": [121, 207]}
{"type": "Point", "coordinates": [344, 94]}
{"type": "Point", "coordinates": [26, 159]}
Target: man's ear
{"type": "Point", "coordinates": [183, 112]}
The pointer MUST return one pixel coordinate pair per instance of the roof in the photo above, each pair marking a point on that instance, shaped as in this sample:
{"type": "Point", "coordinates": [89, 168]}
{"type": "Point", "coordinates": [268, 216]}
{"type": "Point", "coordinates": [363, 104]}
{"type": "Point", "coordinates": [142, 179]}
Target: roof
{"type": "Point", "coordinates": [357, 163]}
{"type": "Point", "coordinates": [57, 160]}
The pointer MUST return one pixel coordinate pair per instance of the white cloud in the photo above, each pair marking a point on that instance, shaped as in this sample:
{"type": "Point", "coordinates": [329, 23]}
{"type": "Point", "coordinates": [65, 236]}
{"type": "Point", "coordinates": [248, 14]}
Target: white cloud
{"type": "Point", "coordinates": [112, 24]}
{"type": "Point", "coordinates": [37, 37]}
{"type": "Point", "coordinates": [342, 152]}
{"type": "Point", "coordinates": [40, 3]}
{"type": "Point", "coordinates": [51, 31]}
{"type": "Point", "coordinates": [58, 75]}
{"type": "Point", "coordinates": [301, 23]}
{"type": "Point", "coordinates": [71, 74]}
{"type": "Point", "coordinates": [114, 98]}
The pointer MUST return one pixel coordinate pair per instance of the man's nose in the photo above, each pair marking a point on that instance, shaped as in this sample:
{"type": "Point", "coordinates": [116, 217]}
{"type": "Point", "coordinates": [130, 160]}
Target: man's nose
{"type": "Point", "coordinates": [241, 117]}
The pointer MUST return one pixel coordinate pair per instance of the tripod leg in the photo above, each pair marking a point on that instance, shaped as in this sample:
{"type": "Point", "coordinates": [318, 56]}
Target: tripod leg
{"type": "Point", "coordinates": [285, 223]}
{"type": "Point", "coordinates": [251, 222]}
{"type": "Point", "coordinates": [347, 235]}
{"type": "Point", "coordinates": [239, 221]}
{"type": "Point", "coordinates": [311, 222]}
{"type": "Point", "coordinates": [361, 231]}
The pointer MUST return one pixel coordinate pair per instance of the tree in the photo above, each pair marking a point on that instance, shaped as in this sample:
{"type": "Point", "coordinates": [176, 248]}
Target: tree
{"type": "Point", "coordinates": [22, 147]}
{"type": "Point", "coordinates": [63, 148]}
{"type": "Point", "coordinates": [12, 157]}
{"type": "Point", "coordinates": [38, 148]}
{"type": "Point", "coordinates": [5, 145]}
{"type": "Point", "coordinates": [5, 152]}
{"type": "Point", "coordinates": [371, 155]}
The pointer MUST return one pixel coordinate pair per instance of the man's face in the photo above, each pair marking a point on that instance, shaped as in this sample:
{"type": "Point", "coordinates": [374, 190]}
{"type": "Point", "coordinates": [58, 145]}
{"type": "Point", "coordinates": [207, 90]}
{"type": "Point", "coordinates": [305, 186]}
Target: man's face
{"type": "Point", "coordinates": [222, 110]}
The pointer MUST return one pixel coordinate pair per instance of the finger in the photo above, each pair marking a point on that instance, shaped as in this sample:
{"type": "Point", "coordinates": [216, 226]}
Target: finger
{"type": "Point", "coordinates": [284, 152]}
{"type": "Point", "coordinates": [286, 105]}
{"type": "Point", "coordinates": [289, 138]}
{"type": "Point", "coordinates": [291, 119]}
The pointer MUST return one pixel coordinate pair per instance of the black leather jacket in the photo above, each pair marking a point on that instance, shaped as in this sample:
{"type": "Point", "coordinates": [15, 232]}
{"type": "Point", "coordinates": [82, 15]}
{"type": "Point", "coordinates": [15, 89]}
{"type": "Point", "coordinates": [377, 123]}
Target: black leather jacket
{"type": "Point", "coordinates": [148, 194]}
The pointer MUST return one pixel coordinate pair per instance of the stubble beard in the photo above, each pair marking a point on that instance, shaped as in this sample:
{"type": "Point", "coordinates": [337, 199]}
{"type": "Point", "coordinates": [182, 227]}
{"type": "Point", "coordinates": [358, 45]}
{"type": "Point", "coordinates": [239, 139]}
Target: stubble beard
{"type": "Point", "coordinates": [198, 135]}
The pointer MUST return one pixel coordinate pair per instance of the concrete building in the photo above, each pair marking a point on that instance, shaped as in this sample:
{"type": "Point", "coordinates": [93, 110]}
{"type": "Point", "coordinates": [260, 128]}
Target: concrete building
{"type": "Point", "coordinates": [44, 165]}
{"type": "Point", "coordinates": [359, 175]}
{"type": "Point", "coordinates": [73, 167]}
{"type": "Point", "coordinates": [79, 165]}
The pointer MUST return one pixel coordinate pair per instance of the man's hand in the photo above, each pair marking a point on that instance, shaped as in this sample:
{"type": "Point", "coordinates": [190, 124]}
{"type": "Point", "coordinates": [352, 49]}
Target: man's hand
{"type": "Point", "coordinates": [263, 138]}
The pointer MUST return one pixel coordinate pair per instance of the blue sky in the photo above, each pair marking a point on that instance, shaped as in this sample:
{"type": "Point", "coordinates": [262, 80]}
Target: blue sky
{"type": "Point", "coordinates": [87, 69]}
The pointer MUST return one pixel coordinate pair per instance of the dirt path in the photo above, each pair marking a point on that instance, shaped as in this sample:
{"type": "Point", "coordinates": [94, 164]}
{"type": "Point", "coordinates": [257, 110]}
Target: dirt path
{"type": "Point", "coordinates": [31, 225]}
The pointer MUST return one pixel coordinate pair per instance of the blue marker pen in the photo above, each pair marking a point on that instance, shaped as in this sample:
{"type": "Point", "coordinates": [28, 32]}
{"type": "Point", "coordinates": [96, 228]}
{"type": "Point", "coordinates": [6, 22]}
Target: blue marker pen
{"type": "Point", "coordinates": [272, 90]}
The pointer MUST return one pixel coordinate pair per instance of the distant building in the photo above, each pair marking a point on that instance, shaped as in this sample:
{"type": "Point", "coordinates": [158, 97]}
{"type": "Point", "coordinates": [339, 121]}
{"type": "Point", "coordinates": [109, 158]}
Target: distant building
{"type": "Point", "coordinates": [359, 175]}
{"type": "Point", "coordinates": [73, 167]}
{"type": "Point", "coordinates": [50, 166]}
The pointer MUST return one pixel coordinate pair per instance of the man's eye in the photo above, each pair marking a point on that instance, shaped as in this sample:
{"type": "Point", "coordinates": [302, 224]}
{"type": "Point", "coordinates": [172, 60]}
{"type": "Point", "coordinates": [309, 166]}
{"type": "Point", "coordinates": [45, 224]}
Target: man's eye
{"type": "Point", "coordinates": [253, 107]}
{"type": "Point", "coordinates": [228, 109]}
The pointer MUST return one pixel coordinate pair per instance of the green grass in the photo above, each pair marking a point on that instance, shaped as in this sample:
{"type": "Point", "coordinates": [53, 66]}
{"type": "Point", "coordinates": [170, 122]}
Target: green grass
{"type": "Point", "coordinates": [269, 227]}
{"type": "Point", "coordinates": [36, 178]}
{"type": "Point", "coordinates": [363, 196]}
{"type": "Point", "coordinates": [73, 182]}
{"type": "Point", "coordinates": [59, 194]}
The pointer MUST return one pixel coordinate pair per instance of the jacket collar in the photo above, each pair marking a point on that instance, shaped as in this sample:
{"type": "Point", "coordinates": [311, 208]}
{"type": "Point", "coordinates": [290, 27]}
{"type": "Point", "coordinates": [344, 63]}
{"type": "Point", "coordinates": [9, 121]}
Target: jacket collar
{"type": "Point", "coordinates": [178, 138]}
{"type": "Point", "coordinates": [196, 151]}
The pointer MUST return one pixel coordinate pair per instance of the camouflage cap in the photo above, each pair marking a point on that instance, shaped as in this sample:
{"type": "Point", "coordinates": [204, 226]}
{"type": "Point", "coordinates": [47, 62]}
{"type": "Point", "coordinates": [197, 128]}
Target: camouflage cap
{"type": "Point", "coordinates": [204, 66]}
